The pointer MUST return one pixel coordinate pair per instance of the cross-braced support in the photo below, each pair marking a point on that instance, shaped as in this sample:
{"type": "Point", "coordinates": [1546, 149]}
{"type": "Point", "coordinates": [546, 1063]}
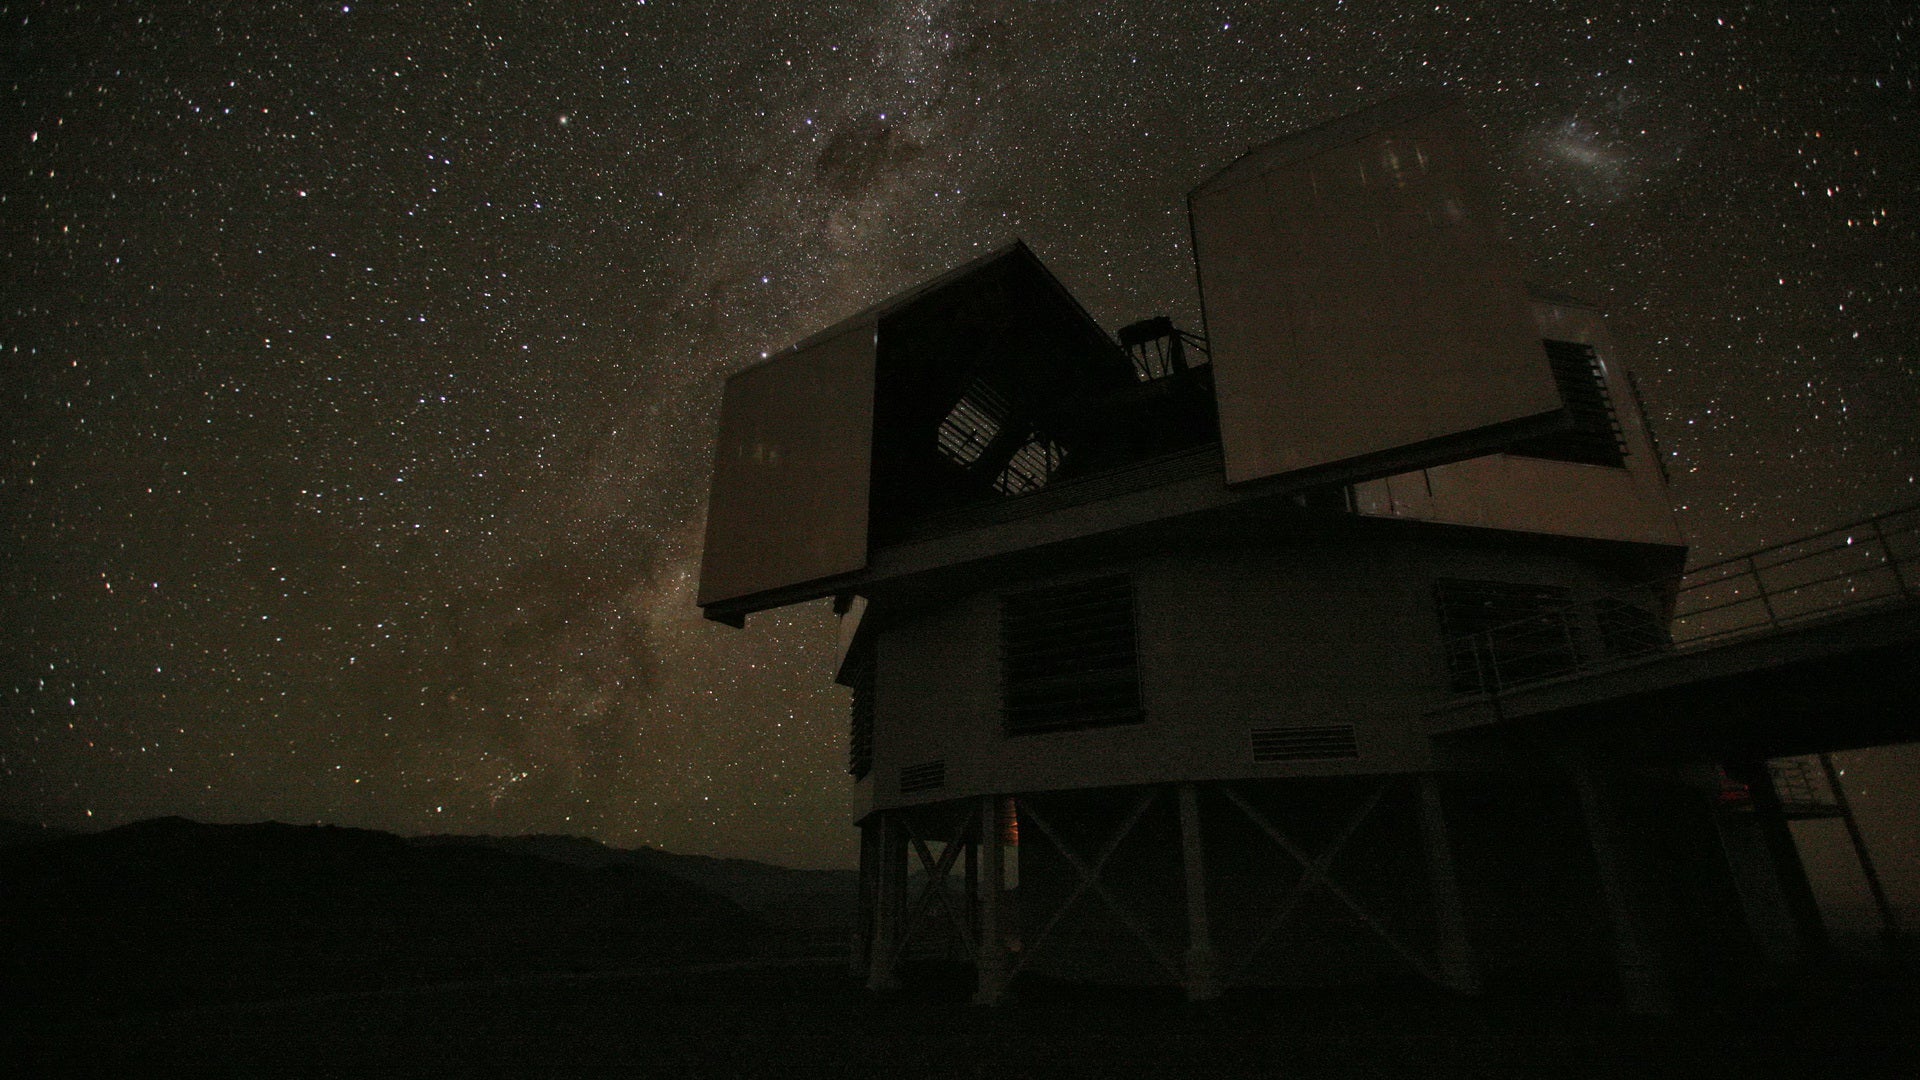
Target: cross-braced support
{"type": "Point", "coordinates": [1090, 881]}
{"type": "Point", "coordinates": [1313, 874]}
{"type": "Point", "coordinates": [935, 887]}
{"type": "Point", "coordinates": [896, 919]}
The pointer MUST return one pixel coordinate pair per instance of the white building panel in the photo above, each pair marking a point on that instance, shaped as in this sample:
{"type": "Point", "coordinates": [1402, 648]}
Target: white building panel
{"type": "Point", "coordinates": [1359, 302]}
{"type": "Point", "coordinates": [791, 471]}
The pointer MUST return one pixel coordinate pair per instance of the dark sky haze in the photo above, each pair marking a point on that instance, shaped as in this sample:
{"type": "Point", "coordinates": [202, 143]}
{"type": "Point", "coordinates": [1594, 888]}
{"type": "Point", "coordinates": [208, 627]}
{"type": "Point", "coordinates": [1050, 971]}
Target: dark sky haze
{"type": "Point", "coordinates": [361, 359]}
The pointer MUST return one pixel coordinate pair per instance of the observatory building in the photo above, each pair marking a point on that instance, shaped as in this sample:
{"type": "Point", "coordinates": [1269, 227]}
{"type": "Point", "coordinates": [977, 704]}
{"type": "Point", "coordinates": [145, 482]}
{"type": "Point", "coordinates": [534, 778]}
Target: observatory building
{"type": "Point", "coordinates": [1152, 641]}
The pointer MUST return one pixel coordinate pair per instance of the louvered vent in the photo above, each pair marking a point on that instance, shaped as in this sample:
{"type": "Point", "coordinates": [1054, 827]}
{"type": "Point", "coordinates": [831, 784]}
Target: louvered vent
{"type": "Point", "coordinates": [1326, 742]}
{"type": "Point", "coordinates": [924, 777]}
{"type": "Point", "coordinates": [1068, 657]}
{"type": "Point", "coordinates": [1595, 438]}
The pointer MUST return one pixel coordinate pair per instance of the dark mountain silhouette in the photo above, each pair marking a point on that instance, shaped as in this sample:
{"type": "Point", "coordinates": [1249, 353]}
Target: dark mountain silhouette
{"type": "Point", "coordinates": [169, 948]}
{"type": "Point", "coordinates": [168, 912]}
{"type": "Point", "coordinates": [810, 902]}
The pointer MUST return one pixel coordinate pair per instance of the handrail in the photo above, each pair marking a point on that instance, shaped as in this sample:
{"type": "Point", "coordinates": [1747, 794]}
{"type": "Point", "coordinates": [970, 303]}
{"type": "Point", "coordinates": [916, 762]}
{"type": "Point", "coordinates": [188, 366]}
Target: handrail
{"type": "Point", "coordinates": [1872, 560]}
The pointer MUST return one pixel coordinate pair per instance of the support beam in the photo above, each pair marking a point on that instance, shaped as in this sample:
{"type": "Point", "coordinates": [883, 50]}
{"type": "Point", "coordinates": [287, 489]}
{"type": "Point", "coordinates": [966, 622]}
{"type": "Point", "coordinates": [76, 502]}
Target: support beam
{"type": "Point", "coordinates": [1763, 900]}
{"type": "Point", "coordinates": [1889, 920]}
{"type": "Point", "coordinates": [935, 887]}
{"type": "Point", "coordinates": [1203, 980]}
{"type": "Point", "coordinates": [1314, 875]}
{"type": "Point", "coordinates": [1809, 926]}
{"type": "Point", "coordinates": [890, 909]}
{"type": "Point", "coordinates": [991, 955]}
{"type": "Point", "coordinates": [970, 898]}
{"type": "Point", "coordinates": [1090, 881]}
{"type": "Point", "coordinates": [1643, 985]}
{"type": "Point", "coordinates": [864, 924]}
{"type": "Point", "coordinates": [1452, 947]}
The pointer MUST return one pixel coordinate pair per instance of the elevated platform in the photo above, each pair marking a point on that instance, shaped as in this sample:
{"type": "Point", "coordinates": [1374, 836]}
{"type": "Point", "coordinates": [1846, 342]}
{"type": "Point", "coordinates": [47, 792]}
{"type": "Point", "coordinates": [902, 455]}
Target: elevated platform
{"type": "Point", "coordinates": [1812, 646]}
{"type": "Point", "coordinates": [1842, 682]}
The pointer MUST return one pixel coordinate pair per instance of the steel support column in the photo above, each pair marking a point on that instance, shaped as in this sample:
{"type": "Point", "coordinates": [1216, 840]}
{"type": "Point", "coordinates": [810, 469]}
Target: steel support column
{"type": "Point", "coordinates": [1756, 880]}
{"type": "Point", "coordinates": [990, 959]}
{"type": "Point", "coordinates": [890, 908]}
{"type": "Point", "coordinates": [1808, 924]}
{"type": "Point", "coordinates": [970, 878]}
{"type": "Point", "coordinates": [1643, 985]}
{"type": "Point", "coordinates": [864, 922]}
{"type": "Point", "coordinates": [1453, 948]}
{"type": "Point", "coordinates": [1889, 918]}
{"type": "Point", "coordinates": [1203, 979]}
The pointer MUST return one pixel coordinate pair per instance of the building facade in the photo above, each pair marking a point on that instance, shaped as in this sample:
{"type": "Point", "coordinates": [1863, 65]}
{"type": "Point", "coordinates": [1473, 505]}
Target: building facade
{"type": "Point", "coordinates": [1145, 635]}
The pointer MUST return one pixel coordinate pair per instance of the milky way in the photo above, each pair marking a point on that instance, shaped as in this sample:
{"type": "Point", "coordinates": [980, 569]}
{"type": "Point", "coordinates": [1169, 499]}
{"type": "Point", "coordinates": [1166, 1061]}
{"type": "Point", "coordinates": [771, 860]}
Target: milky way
{"type": "Point", "coordinates": [361, 359]}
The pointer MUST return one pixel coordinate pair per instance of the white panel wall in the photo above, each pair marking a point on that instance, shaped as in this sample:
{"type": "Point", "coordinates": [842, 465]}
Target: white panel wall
{"type": "Point", "coordinates": [1359, 299]}
{"type": "Point", "coordinates": [791, 470]}
{"type": "Point", "coordinates": [1503, 491]}
{"type": "Point", "coordinates": [1335, 634]}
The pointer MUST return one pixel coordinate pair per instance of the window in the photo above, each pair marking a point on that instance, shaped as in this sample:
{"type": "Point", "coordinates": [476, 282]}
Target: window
{"type": "Point", "coordinates": [1068, 657]}
{"type": "Point", "coordinates": [1595, 438]}
{"type": "Point", "coordinates": [1499, 633]}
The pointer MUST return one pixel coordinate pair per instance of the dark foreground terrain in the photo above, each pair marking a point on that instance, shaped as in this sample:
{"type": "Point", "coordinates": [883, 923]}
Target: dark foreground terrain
{"type": "Point", "coordinates": [806, 1020]}
{"type": "Point", "coordinates": [265, 951]}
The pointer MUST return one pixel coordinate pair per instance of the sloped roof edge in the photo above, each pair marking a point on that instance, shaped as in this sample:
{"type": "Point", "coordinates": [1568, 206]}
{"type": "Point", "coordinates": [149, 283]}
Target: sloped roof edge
{"type": "Point", "coordinates": [1308, 142]}
{"type": "Point", "coordinates": [871, 315]}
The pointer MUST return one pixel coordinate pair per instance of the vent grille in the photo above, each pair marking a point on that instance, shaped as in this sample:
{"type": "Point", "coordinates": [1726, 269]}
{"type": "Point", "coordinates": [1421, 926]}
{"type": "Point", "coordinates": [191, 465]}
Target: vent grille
{"type": "Point", "coordinates": [1068, 657]}
{"type": "Point", "coordinates": [923, 777]}
{"type": "Point", "coordinates": [1326, 742]}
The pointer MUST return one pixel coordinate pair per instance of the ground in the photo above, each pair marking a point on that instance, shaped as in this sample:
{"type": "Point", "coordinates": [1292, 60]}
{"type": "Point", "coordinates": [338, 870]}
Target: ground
{"type": "Point", "coordinates": [804, 1016]}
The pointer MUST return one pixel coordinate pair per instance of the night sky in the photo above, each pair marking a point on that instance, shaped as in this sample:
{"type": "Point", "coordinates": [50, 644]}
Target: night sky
{"type": "Point", "coordinates": [361, 360]}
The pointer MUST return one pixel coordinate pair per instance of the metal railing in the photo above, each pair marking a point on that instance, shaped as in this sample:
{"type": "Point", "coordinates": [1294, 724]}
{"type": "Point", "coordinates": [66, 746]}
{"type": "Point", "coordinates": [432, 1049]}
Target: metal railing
{"type": "Point", "coordinates": [1874, 560]}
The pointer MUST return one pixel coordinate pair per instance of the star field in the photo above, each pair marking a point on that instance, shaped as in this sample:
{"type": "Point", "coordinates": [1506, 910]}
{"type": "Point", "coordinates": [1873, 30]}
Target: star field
{"type": "Point", "coordinates": [361, 360]}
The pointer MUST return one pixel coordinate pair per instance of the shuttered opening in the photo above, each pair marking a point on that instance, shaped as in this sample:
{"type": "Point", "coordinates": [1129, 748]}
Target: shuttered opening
{"type": "Point", "coordinates": [1326, 742]}
{"type": "Point", "coordinates": [1595, 438]}
{"type": "Point", "coordinates": [1069, 657]}
{"type": "Point", "coordinates": [923, 777]}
